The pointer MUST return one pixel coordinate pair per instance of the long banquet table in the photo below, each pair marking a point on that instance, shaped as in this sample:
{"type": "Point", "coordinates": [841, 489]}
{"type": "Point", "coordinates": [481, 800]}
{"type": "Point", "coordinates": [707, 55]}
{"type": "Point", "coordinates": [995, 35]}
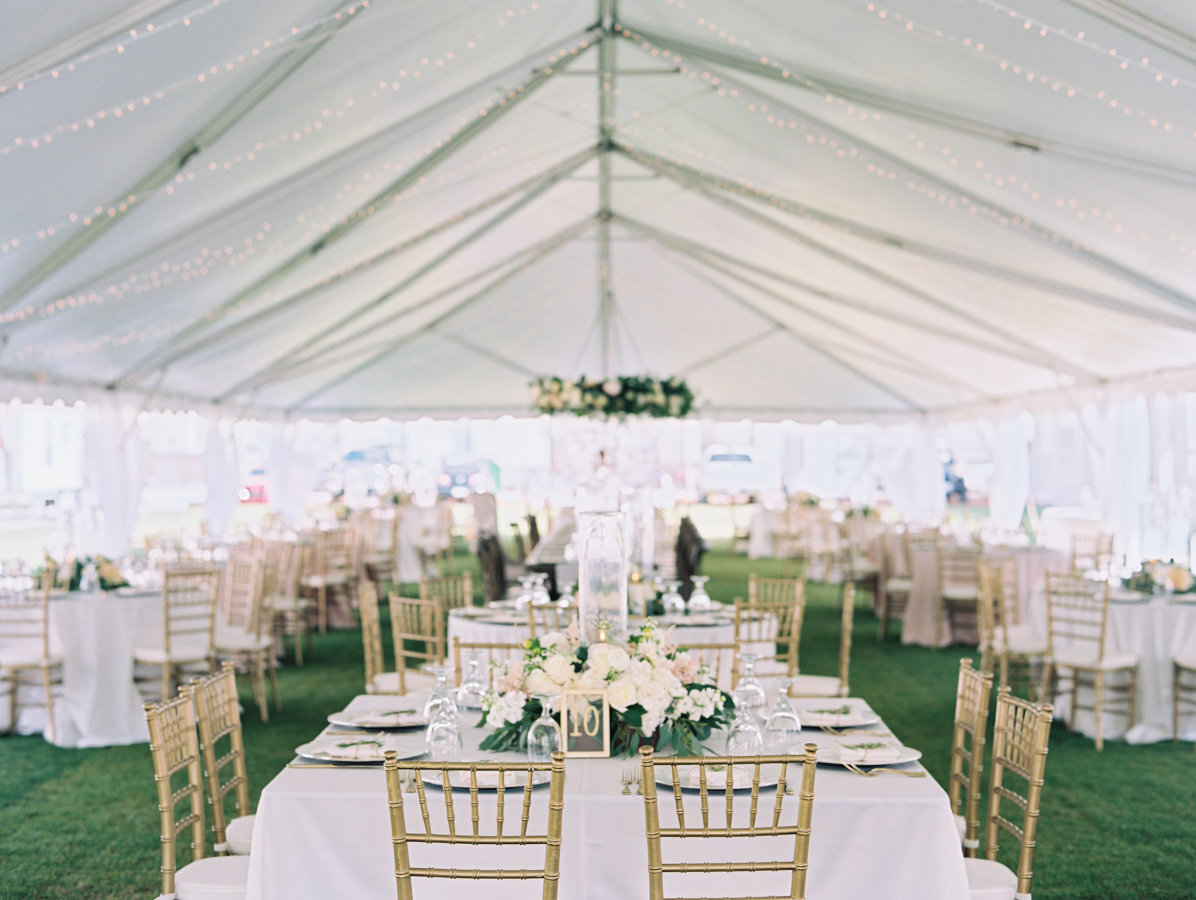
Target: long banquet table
{"type": "Point", "coordinates": [324, 832]}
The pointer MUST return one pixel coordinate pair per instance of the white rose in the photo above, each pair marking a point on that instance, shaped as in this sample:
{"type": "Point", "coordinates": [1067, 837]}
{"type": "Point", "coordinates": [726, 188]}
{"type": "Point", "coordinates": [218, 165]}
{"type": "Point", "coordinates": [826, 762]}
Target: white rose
{"type": "Point", "coordinates": [559, 669]}
{"type": "Point", "coordinates": [667, 682]}
{"type": "Point", "coordinates": [537, 682]}
{"type": "Point", "coordinates": [622, 694]}
{"type": "Point", "coordinates": [554, 639]}
{"type": "Point", "coordinates": [618, 658]}
{"type": "Point", "coordinates": [591, 679]}
{"type": "Point", "coordinates": [599, 657]}
{"type": "Point", "coordinates": [640, 672]}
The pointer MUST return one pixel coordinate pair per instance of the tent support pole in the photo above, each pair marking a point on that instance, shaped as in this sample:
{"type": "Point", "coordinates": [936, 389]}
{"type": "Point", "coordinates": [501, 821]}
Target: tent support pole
{"type": "Point", "coordinates": [494, 112]}
{"type": "Point", "coordinates": [541, 251]}
{"type": "Point", "coordinates": [130, 199]}
{"type": "Point", "coordinates": [553, 174]}
{"type": "Point", "coordinates": [862, 230]}
{"type": "Point", "coordinates": [1018, 353]}
{"type": "Point", "coordinates": [821, 84]}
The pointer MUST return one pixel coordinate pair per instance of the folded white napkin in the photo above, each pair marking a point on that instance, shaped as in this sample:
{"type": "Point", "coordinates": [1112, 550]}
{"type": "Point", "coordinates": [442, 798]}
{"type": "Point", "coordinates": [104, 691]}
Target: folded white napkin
{"type": "Point", "coordinates": [384, 718]}
{"type": "Point", "coordinates": [716, 777]}
{"type": "Point", "coordinates": [352, 749]}
{"type": "Point", "coordinates": [834, 716]}
{"type": "Point", "coordinates": [869, 752]}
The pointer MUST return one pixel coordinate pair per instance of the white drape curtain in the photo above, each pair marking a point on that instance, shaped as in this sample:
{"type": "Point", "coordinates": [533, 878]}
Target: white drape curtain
{"type": "Point", "coordinates": [1010, 486]}
{"type": "Point", "coordinates": [221, 476]}
{"type": "Point", "coordinates": [910, 471]}
{"type": "Point", "coordinates": [116, 471]}
{"type": "Point", "coordinates": [294, 467]}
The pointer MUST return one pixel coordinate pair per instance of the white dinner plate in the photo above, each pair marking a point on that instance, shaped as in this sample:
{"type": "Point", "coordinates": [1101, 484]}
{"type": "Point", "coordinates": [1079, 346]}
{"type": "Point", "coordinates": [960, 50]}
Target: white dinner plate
{"type": "Point", "coordinates": [382, 719]}
{"type": "Point", "coordinates": [511, 619]}
{"type": "Point", "coordinates": [471, 612]}
{"type": "Point", "coordinates": [830, 756]}
{"type": "Point", "coordinates": [716, 779]}
{"type": "Point", "coordinates": [513, 779]}
{"type": "Point", "coordinates": [825, 712]}
{"type": "Point", "coordinates": [331, 749]}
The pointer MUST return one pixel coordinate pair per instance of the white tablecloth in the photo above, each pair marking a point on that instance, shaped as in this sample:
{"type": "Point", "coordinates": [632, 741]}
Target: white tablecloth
{"type": "Point", "coordinates": [324, 833]}
{"type": "Point", "coordinates": [1154, 629]}
{"type": "Point", "coordinates": [924, 612]}
{"type": "Point", "coordinates": [95, 634]}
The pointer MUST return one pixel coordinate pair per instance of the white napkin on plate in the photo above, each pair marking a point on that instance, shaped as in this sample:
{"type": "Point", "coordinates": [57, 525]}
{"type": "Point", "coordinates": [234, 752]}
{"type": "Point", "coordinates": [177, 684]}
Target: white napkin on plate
{"type": "Point", "coordinates": [869, 752]}
{"type": "Point", "coordinates": [383, 718]}
{"type": "Point", "coordinates": [833, 716]}
{"type": "Point", "coordinates": [352, 749]}
{"type": "Point", "coordinates": [716, 777]}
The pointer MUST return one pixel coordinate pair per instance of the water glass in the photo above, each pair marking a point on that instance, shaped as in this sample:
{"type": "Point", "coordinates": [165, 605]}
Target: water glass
{"type": "Point", "coordinates": [749, 685]}
{"type": "Point", "coordinates": [699, 600]}
{"type": "Point", "coordinates": [473, 685]}
{"type": "Point", "coordinates": [442, 693]}
{"type": "Point", "coordinates": [744, 738]}
{"type": "Point", "coordinates": [544, 735]}
{"type": "Point", "coordinates": [442, 740]}
{"type": "Point", "coordinates": [783, 729]}
{"type": "Point", "coordinates": [674, 603]}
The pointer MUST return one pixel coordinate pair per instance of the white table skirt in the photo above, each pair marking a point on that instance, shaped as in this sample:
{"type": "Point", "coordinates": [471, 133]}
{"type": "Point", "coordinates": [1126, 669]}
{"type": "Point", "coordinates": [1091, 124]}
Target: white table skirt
{"type": "Point", "coordinates": [324, 832]}
{"type": "Point", "coordinates": [1153, 629]}
{"type": "Point", "coordinates": [95, 634]}
{"type": "Point", "coordinates": [924, 612]}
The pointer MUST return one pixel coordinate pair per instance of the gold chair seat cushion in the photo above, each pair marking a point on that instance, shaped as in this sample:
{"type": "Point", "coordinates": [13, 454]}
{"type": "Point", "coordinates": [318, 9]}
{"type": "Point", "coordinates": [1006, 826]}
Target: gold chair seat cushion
{"type": "Point", "coordinates": [234, 640]}
{"type": "Point", "coordinates": [1081, 659]}
{"type": "Point", "coordinates": [239, 835]}
{"type": "Point", "coordinates": [990, 880]}
{"type": "Point", "coordinates": [1186, 659]}
{"type": "Point", "coordinates": [1021, 640]}
{"type": "Point", "coordinates": [960, 592]}
{"type": "Point", "coordinates": [213, 878]}
{"type": "Point", "coordinates": [899, 585]}
{"type": "Point", "coordinates": [25, 656]}
{"type": "Point", "coordinates": [815, 686]}
{"type": "Point", "coordinates": [180, 652]}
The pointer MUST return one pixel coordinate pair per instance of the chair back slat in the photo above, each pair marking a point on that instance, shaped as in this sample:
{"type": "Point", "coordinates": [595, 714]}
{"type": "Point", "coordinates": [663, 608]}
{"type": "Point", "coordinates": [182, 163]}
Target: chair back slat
{"type": "Point", "coordinates": [189, 608]}
{"type": "Point", "coordinates": [495, 653]}
{"type": "Point", "coordinates": [1077, 614]}
{"type": "Point", "coordinates": [371, 631]}
{"type": "Point", "coordinates": [417, 632]}
{"type": "Point", "coordinates": [509, 778]}
{"type": "Point", "coordinates": [218, 716]}
{"type": "Point", "coordinates": [757, 820]}
{"type": "Point", "coordinates": [965, 784]}
{"type": "Point", "coordinates": [450, 591]}
{"type": "Point", "coordinates": [174, 747]}
{"type": "Point", "coordinates": [775, 623]}
{"type": "Point", "coordinates": [25, 616]}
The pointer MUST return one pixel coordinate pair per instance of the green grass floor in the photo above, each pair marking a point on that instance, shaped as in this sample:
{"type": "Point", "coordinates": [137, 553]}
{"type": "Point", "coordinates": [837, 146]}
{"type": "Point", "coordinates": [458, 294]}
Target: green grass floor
{"type": "Point", "coordinates": [1115, 824]}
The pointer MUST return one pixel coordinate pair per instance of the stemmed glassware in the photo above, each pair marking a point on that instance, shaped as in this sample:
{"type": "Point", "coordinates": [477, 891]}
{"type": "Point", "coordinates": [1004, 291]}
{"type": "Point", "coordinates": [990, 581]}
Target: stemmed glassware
{"type": "Point", "coordinates": [473, 685]}
{"type": "Point", "coordinates": [540, 595]}
{"type": "Point", "coordinates": [544, 735]}
{"type": "Point", "coordinates": [442, 693]}
{"type": "Point", "coordinates": [524, 598]}
{"type": "Point", "coordinates": [699, 600]}
{"type": "Point", "coordinates": [744, 738]}
{"type": "Point", "coordinates": [783, 726]}
{"type": "Point", "coordinates": [674, 603]}
{"type": "Point", "coordinates": [749, 685]}
{"type": "Point", "coordinates": [442, 740]}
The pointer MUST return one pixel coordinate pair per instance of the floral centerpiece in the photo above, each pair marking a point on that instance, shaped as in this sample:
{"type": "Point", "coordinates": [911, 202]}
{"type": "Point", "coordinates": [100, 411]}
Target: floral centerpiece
{"type": "Point", "coordinates": [1168, 577]}
{"type": "Point", "coordinates": [659, 694]}
{"type": "Point", "coordinates": [625, 395]}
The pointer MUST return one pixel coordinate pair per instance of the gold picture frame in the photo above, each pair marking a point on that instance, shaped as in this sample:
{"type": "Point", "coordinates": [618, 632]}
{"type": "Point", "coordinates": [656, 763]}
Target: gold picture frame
{"type": "Point", "coordinates": [585, 722]}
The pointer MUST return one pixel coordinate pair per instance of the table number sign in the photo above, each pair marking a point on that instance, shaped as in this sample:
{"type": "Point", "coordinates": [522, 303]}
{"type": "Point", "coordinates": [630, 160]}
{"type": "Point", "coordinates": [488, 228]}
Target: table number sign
{"type": "Point", "coordinates": [585, 722]}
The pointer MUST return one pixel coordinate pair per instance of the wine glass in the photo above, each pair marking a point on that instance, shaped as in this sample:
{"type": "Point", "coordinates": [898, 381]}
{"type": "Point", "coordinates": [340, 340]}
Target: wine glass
{"type": "Point", "coordinates": [749, 685]}
{"type": "Point", "coordinates": [674, 603]}
{"type": "Point", "coordinates": [442, 693]}
{"type": "Point", "coordinates": [544, 735]}
{"type": "Point", "coordinates": [540, 595]}
{"type": "Point", "coordinates": [783, 726]}
{"type": "Point", "coordinates": [442, 740]}
{"type": "Point", "coordinates": [566, 599]}
{"type": "Point", "coordinates": [744, 738]}
{"type": "Point", "coordinates": [469, 692]}
{"type": "Point", "coordinates": [699, 600]}
{"type": "Point", "coordinates": [524, 598]}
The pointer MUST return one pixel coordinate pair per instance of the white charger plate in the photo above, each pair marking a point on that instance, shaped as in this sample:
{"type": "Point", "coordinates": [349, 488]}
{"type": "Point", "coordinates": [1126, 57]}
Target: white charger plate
{"type": "Point", "coordinates": [319, 751]}
{"type": "Point", "coordinates": [514, 780]}
{"type": "Point", "coordinates": [860, 713]}
{"type": "Point", "coordinates": [830, 756]}
{"type": "Point", "coordinates": [403, 719]}
{"type": "Point", "coordinates": [716, 780]}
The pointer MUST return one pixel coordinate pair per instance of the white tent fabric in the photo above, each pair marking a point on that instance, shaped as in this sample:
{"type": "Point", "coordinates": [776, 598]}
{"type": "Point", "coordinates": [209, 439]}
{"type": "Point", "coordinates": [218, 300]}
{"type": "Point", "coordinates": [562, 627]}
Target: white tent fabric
{"type": "Point", "coordinates": [117, 471]}
{"type": "Point", "coordinates": [221, 476]}
{"type": "Point", "coordinates": [859, 209]}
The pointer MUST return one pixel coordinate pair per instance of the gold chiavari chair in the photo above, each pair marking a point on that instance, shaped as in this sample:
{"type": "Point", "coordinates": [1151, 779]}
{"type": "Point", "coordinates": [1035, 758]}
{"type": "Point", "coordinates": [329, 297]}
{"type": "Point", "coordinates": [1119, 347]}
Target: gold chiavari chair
{"type": "Point", "coordinates": [377, 679]}
{"type": "Point", "coordinates": [189, 622]}
{"type": "Point", "coordinates": [1005, 647]}
{"type": "Point", "coordinates": [772, 630]}
{"type": "Point", "coordinates": [895, 588]}
{"type": "Point", "coordinates": [417, 632]}
{"type": "Point", "coordinates": [965, 784]}
{"type": "Point", "coordinates": [450, 591]}
{"type": "Point", "coordinates": [829, 685]}
{"type": "Point", "coordinates": [712, 775]}
{"type": "Point", "coordinates": [291, 608]}
{"type": "Point", "coordinates": [773, 590]}
{"type": "Point", "coordinates": [1091, 554]}
{"type": "Point", "coordinates": [1020, 738]}
{"type": "Point", "coordinates": [244, 634]}
{"type": "Point", "coordinates": [959, 590]}
{"type": "Point", "coordinates": [333, 569]}
{"type": "Point", "coordinates": [494, 652]}
{"type": "Point", "coordinates": [549, 618]}
{"type": "Point", "coordinates": [719, 660]}
{"type": "Point", "coordinates": [1078, 618]}
{"type": "Point", "coordinates": [26, 663]}
{"type": "Point", "coordinates": [218, 716]}
{"type": "Point", "coordinates": [489, 847]}
{"type": "Point", "coordinates": [174, 747]}
{"type": "Point", "coordinates": [1183, 690]}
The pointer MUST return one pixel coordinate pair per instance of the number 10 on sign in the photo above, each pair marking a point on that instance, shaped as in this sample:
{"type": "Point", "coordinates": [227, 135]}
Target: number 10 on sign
{"type": "Point", "coordinates": [585, 722]}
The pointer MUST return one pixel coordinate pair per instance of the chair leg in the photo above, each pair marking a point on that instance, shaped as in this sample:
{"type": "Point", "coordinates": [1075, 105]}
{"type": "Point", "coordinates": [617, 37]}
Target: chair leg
{"type": "Point", "coordinates": [1046, 693]}
{"type": "Point", "coordinates": [1174, 702]}
{"type": "Point", "coordinates": [11, 679]}
{"type": "Point", "coordinates": [47, 684]}
{"type": "Point", "coordinates": [882, 633]}
{"type": "Point", "coordinates": [166, 682]}
{"type": "Point", "coordinates": [1075, 695]}
{"type": "Point", "coordinates": [258, 680]}
{"type": "Point", "coordinates": [322, 607]}
{"type": "Point", "coordinates": [1098, 688]}
{"type": "Point", "coordinates": [272, 671]}
{"type": "Point", "coordinates": [1131, 714]}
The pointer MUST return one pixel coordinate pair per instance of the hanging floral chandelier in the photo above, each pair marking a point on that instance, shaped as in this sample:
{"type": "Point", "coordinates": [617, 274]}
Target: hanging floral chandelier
{"type": "Point", "coordinates": [623, 395]}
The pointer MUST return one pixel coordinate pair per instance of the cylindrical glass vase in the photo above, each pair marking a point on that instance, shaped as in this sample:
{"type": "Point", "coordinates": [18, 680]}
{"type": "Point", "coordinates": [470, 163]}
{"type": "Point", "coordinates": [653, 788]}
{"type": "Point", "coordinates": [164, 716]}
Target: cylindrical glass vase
{"type": "Point", "coordinates": [602, 577]}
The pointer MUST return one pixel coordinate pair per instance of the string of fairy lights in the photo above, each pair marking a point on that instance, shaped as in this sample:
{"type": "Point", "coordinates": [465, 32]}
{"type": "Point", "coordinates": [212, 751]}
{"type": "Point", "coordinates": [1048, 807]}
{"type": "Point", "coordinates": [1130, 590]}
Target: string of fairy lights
{"type": "Point", "coordinates": [356, 106]}
{"type": "Point", "coordinates": [162, 329]}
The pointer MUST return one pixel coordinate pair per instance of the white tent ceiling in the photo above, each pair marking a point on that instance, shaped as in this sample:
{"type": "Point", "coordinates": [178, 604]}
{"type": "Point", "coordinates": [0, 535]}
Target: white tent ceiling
{"type": "Point", "coordinates": [829, 208]}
